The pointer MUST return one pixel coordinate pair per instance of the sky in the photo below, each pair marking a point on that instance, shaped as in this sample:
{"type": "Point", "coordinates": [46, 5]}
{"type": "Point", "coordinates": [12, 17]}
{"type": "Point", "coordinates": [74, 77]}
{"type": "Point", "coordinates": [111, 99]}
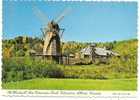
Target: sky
{"type": "Point", "coordinates": [85, 22]}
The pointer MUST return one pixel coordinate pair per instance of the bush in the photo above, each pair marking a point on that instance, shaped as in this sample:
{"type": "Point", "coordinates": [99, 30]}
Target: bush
{"type": "Point", "coordinates": [16, 69]}
{"type": "Point", "coordinates": [54, 71]}
{"type": "Point", "coordinates": [20, 53]}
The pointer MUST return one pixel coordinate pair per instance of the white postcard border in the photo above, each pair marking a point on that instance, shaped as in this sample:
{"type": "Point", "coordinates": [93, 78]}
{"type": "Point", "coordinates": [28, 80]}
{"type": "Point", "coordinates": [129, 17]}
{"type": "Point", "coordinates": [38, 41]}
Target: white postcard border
{"type": "Point", "coordinates": [77, 93]}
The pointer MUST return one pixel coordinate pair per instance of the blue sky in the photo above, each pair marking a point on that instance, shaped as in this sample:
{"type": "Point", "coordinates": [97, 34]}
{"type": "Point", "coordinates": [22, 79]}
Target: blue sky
{"type": "Point", "coordinates": [87, 21]}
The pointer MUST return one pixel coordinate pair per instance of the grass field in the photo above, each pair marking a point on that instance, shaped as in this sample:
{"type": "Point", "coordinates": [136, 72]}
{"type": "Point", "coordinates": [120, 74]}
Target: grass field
{"type": "Point", "coordinates": [73, 84]}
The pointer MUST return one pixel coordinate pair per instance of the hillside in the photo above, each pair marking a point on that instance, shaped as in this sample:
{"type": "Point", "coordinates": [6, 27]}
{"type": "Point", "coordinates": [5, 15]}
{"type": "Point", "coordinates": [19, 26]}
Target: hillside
{"type": "Point", "coordinates": [20, 46]}
{"type": "Point", "coordinates": [18, 65]}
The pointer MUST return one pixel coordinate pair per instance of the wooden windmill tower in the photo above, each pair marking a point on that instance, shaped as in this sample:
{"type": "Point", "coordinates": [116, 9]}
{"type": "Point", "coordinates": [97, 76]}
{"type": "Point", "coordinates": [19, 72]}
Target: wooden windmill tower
{"type": "Point", "coordinates": [52, 34]}
{"type": "Point", "coordinates": [52, 47]}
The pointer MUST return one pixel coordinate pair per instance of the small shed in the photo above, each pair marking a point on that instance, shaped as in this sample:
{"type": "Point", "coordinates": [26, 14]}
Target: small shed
{"type": "Point", "coordinates": [97, 51]}
{"type": "Point", "coordinates": [92, 53]}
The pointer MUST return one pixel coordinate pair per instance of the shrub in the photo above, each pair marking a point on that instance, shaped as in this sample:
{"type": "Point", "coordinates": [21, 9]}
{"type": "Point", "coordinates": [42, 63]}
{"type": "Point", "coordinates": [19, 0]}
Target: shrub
{"type": "Point", "coordinates": [53, 71]}
{"type": "Point", "coordinates": [20, 53]}
{"type": "Point", "coordinates": [27, 68]}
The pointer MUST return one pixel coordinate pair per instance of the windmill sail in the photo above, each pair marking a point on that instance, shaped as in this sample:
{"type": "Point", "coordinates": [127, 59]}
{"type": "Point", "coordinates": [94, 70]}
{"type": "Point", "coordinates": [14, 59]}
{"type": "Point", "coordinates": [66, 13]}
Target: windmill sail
{"type": "Point", "coordinates": [41, 15]}
{"type": "Point", "coordinates": [62, 15]}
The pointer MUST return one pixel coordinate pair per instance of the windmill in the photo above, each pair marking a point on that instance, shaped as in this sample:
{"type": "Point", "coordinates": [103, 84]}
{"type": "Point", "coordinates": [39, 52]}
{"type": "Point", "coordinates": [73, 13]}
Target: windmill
{"type": "Point", "coordinates": [52, 34]}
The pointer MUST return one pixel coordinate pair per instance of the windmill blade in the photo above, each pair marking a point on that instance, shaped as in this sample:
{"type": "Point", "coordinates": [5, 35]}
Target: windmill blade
{"type": "Point", "coordinates": [62, 15]}
{"type": "Point", "coordinates": [41, 37]}
{"type": "Point", "coordinates": [43, 32]}
{"type": "Point", "coordinates": [62, 29]}
{"type": "Point", "coordinates": [42, 16]}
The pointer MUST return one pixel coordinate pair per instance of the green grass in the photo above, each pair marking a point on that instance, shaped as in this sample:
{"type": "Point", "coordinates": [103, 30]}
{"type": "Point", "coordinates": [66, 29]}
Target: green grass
{"type": "Point", "coordinates": [73, 84]}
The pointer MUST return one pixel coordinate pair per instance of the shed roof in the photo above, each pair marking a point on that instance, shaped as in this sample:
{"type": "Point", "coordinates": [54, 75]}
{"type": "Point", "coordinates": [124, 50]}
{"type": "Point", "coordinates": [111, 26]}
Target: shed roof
{"type": "Point", "coordinates": [98, 51]}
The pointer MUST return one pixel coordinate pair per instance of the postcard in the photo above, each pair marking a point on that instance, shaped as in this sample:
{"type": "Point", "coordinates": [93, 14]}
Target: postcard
{"type": "Point", "coordinates": [70, 49]}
